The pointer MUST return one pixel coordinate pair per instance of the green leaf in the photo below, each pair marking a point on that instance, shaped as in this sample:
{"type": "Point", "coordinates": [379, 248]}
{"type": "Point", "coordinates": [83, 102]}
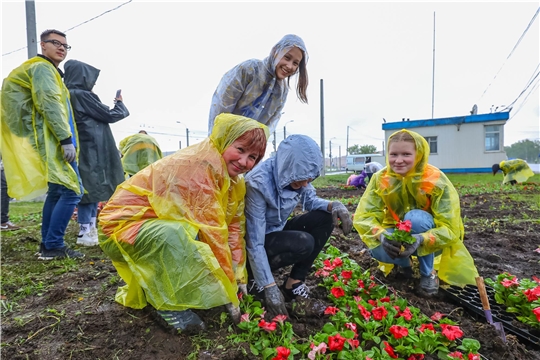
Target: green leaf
{"type": "Point", "coordinates": [254, 350]}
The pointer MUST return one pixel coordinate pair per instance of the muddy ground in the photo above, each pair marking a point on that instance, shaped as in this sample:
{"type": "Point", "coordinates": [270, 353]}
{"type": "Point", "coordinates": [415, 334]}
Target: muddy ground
{"type": "Point", "coordinates": [76, 317]}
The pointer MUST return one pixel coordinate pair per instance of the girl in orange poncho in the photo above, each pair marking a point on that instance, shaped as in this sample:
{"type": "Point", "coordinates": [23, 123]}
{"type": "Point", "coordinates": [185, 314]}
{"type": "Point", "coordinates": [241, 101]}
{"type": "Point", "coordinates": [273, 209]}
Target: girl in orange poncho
{"type": "Point", "coordinates": [175, 230]}
{"type": "Point", "coordinates": [411, 189]}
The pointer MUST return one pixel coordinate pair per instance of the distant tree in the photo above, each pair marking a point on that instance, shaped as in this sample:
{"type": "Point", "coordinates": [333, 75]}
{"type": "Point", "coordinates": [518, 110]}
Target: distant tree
{"type": "Point", "coordinates": [524, 149]}
{"type": "Point", "coordinates": [364, 149]}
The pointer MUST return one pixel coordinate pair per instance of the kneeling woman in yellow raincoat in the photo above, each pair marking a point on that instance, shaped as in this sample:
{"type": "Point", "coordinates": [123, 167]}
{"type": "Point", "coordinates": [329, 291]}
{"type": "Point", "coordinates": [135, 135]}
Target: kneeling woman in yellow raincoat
{"type": "Point", "coordinates": [175, 230]}
{"type": "Point", "coordinates": [515, 171]}
{"type": "Point", "coordinates": [409, 188]}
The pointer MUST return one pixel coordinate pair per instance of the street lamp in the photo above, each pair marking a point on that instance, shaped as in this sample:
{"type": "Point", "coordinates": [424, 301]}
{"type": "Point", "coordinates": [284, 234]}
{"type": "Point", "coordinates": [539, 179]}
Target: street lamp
{"type": "Point", "coordinates": [285, 129]}
{"type": "Point", "coordinates": [187, 132]}
{"type": "Point", "coordinates": [330, 153]}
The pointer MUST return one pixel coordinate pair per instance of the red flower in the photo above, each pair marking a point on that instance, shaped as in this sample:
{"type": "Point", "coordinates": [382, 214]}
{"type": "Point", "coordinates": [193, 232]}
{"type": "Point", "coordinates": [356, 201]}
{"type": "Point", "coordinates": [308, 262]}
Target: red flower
{"type": "Point", "coordinates": [510, 282]}
{"type": "Point", "coordinates": [372, 302]}
{"type": "Point", "coordinates": [337, 292]}
{"type": "Point", "coordinates": [474, 356]}
{"type": "Point", "coordinates": [335, 343]}
{"type": "Point", "coordinates": [427, 327]}
{"type": "Point", "coordinates": [361, 284]}
{"type": "Point", "coordinates": [416, 357]}
{"type": "Point", "coordinates": [437, 316]}
{"type": "Point", "coordinates": [407, 315]}
{"type": "Point", "coordinates": [384, 299]}
{"type": "Point", "coordinates": [532, 294]}
{"type": "Point", "coordinates": [451, 332]}
{"type": "Point", "coordinates": [366, 314]}
{"type": "Point", "coordinates": [337, 262]}
{"type": "Point", "coordinates": [328, 265]}
{"type": "Point", "coordinates": [534, 277]}
{"type": "Point", "coordinates": [335, 277]}
{"type": "Point", "coordinates": [404, 225]}
{"type": "Point", "coordinates": [267, 326]}
{"type": "Point", "coordinates": [280, 319]}
{"type": "Point", "coordinates": [354, 343]}
{"type": "Point", "coordinates": [389, 350]}
{"type": "Point", "coordinates": [536, 312]}
{"type": "Point", "coordinates": [379, 313]}
{"type": "Point", "coordinates": [398, 331]}
{"type": "Point", "coordinates": [282, 353]}
{"type": "Point", "coordinates": [346, 274]}
{"type": "Point", "coordinates": [331, 310]}
{"type": "Point", "coordinates": [456, 355]}
{"type": "Point", "coordinates": [240, 295]}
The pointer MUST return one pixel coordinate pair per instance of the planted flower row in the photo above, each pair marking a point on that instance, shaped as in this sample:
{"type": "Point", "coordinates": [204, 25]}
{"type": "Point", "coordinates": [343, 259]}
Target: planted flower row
{"type": "Point", "coordinates": [365, 322]}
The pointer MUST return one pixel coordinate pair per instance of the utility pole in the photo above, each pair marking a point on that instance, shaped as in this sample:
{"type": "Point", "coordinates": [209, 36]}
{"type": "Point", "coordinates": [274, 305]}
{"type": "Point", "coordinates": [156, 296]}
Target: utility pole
{"type": "Point", "coordinates": [347, 149]}
{"type": "Point", "coordinates": [433, 79]}
{"type": "Point", "coordinates": [330, 153]}
{"type": "Point", "coordinates": [187, 137]}
{"type": "Point", "coordinates": [340, 157]}
{"type": "Point", "coordinates": [179, 144]}
{"type": "Point", "coordinates": [31, 37]}
{"type": "Point", "coordinates": [322, 128]}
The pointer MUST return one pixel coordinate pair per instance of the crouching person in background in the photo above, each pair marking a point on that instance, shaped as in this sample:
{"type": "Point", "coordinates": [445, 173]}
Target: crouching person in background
{"type": "Point", "coordinates": [175, 230]}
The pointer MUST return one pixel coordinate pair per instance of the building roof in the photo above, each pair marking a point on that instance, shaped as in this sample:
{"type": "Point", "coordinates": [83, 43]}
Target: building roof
{"type": "Point", "coordinates": [457, 120]}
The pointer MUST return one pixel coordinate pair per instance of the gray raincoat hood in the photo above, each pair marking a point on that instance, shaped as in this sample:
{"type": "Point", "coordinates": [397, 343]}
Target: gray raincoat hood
{"type": "Point", "coordinates": [298, 158]}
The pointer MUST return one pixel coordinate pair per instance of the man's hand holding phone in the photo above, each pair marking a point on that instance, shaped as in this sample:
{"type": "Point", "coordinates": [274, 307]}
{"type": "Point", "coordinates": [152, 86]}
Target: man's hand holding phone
{"type": "Point", "coordinates": [118, 95]}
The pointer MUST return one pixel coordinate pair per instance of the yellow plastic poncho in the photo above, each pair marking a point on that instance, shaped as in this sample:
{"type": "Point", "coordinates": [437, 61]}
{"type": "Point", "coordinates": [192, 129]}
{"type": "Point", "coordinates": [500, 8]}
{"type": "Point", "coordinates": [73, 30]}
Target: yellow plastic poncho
{"type": "Point", "coordinates": [175, 230]}
{"type": "Point", "coordinates": [389, 196]}
{"type": "Point", "coordinates": [35, 116]}
{"type": "Point", "coordinates": [516, 169]}
{"type": "Point", "coordinates": [138, 151]}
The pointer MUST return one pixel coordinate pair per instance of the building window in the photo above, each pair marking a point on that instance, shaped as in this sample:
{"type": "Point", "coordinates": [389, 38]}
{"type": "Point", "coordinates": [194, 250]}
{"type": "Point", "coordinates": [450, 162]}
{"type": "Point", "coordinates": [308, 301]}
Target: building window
{"type": "Point", "coordinates": [493, 137]}
{"type": "Point", "coordinates": [432, 141]}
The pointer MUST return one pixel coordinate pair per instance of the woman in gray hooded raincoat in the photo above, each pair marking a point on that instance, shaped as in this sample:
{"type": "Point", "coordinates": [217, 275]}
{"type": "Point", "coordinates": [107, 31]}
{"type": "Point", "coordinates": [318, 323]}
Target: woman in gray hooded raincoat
{"type": "Point", "coordinates": [258, 88]}
{"type": "Point", "coordinates": [99, 161]}
{"type": "Point", "coordinates": [273, 190]}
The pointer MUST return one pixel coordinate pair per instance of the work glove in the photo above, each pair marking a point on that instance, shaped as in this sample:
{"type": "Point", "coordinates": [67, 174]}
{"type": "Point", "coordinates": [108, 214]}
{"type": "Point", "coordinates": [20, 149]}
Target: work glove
{"type": "Point", "coordinates": [391, 247]}
{"type": "Point", "coordinates": [274, 302]}
{"type": "Point", "coordinates": [69, 152]}
{"type": "Point", "coordinates": [340, 211]}
{"type": "Point", "coordinates": [243, 288]}
{"type": "Point", "coordinates": [410, 248]}
{"type": "Point", "coordinates": [234, 312]}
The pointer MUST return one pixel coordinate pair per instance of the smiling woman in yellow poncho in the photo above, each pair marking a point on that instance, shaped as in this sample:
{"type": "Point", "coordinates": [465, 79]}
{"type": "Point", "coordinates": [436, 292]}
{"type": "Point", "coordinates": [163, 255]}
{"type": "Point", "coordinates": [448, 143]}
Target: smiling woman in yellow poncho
{"type": "Point", "coordinates": [175, 230]}
{"type": "Point", "coordinates": [410, 187]}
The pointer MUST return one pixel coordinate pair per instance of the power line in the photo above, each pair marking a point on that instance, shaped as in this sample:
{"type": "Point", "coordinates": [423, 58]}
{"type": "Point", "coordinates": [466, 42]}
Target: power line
{"type": "Point", "coordinates": [511, 52]}
{"type": "Point", "coordinates": [76, 26]}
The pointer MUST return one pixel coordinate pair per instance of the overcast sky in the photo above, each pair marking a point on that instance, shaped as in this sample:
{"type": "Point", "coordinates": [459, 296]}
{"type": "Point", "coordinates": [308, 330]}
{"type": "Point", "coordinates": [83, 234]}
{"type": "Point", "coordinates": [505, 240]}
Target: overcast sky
{"type": "Point", "coordinates": [375, 59]}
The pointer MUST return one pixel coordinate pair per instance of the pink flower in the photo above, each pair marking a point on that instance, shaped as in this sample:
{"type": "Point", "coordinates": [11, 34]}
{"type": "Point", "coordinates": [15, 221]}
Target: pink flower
{"type": "Point", "coordinates": [282, 353]}
{"type": "Point", "coordinates": [346, 274]}
{"type": "Point", "coordinates": [269, 327]}
{"type": "Point", "coordinates": [510, 282]}
{"type": "Point", "coordinates": [331, 310]}
{"type": "Point", "coordinates": [328, 265]}
{"type": "Point", "coordinates": [379, 313]}
{"type": "Point", "coordinates": [456, 355]}
{"type": "Point", "coordinates": [280, 319]}
{"type": "Point", "coordinates": [426, 327]}
{"type": "Point", "coordinates": [354, 343]}
{"type": "Point", "coordinates": [337, 292]}
{"type": "Point", "coordinates": [244, 317]}
{"type": "Point", "coordinates": [398, 331]}
{"type": "Point", "coordinates": [416, 357]}
{"type": "Point", "coordinates": [336, 342]}
{"type": "Point", "coordinates": [404, 225]}
{"type": "Point", "coordinates": [351, 326]}
{"type": "Point", "coordinates": [437, 316]}
{"type": "Point", "coordinates": [334, 276]}
{"type": "Point", "coordinates": [319, 349]}
{"type": "Point", "coordinates": [321, 273]}
{"type": "Point", "coordinates": [337, 262]}
{"type": "Point", "coordinates": [451, 332]}
{"type": "Point", "coordinates": [472, 356]}
{"type": "Point", "coordinates": [535, 278]}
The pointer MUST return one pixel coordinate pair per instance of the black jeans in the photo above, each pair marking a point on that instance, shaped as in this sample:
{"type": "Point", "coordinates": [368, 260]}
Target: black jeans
{"type": "Point", "coordinates": [299, 243]}
{"type": "Point", "coordinates": [5, 200]}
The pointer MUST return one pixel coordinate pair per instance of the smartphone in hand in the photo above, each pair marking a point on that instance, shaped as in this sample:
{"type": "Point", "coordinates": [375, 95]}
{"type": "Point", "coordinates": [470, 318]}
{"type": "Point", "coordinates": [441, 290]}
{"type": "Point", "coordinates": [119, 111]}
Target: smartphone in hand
{"type": "Point", "coordinates": [118, 93]}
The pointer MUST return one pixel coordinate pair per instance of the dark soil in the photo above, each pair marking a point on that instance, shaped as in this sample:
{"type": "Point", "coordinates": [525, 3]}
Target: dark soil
{"type": "Point", "coordinates": [77, 318]}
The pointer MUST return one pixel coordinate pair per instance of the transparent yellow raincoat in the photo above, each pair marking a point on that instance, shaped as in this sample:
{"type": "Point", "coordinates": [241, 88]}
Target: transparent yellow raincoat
{"type": "Point", "coordinates": [139, 151]}
{"type": "Point", "coordinates": [35, 116]}
{"type": "Point", "coordinates": [389, 196]}
{"type": "Point", "coordinates": [175, 230]}
{"type": "Point", "coordinates": [516, 169]}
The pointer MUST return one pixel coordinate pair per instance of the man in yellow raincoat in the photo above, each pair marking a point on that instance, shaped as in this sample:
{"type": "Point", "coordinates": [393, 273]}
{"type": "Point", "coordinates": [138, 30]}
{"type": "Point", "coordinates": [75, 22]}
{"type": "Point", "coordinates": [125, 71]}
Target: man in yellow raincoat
{"type": "Point", "coordinates": [39, 141]}
{"type": "Point", "coordinates": [138, 151]}
{"type": "Point", "coordinates": [409, 188]}
{"type": "Point", "coordinates": [515, 171]}
{"type": "Point", "coordinates": [175, 230]}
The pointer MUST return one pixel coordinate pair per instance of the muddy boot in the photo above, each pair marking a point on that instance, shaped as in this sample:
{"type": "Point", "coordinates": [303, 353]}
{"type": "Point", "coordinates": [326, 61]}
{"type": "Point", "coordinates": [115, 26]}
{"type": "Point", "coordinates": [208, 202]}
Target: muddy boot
{"type": "Point", "coordinates": [429, 285]}
{"type": "Point", "coordinates": [186, 322]}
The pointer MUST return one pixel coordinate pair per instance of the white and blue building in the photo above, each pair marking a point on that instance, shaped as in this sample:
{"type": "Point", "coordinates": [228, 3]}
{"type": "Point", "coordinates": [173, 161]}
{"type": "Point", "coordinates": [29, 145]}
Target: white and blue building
{"type": "Point", "coordinates": [461, 144]}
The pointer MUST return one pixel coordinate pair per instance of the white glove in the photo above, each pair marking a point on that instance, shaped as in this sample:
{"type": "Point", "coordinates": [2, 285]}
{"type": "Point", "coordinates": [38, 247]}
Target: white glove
{"type": "Point", "coordinates": [340, 211]}
{"type": "Point", "coordinates": [70, 154]}
{"type": "Point", "coordinates": [234, 312]}
{"type": "Point", "coordinates": [243, 288]}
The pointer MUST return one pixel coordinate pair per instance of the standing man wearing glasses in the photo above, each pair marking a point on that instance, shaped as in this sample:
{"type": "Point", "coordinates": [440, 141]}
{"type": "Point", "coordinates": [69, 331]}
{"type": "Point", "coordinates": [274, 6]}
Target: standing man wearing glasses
{"type": "Point", "coordinates": [39, 141]}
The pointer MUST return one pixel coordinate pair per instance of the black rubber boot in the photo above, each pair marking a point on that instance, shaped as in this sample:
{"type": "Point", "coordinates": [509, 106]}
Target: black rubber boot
{"type": "Point", "coordinates": [185, 321]}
